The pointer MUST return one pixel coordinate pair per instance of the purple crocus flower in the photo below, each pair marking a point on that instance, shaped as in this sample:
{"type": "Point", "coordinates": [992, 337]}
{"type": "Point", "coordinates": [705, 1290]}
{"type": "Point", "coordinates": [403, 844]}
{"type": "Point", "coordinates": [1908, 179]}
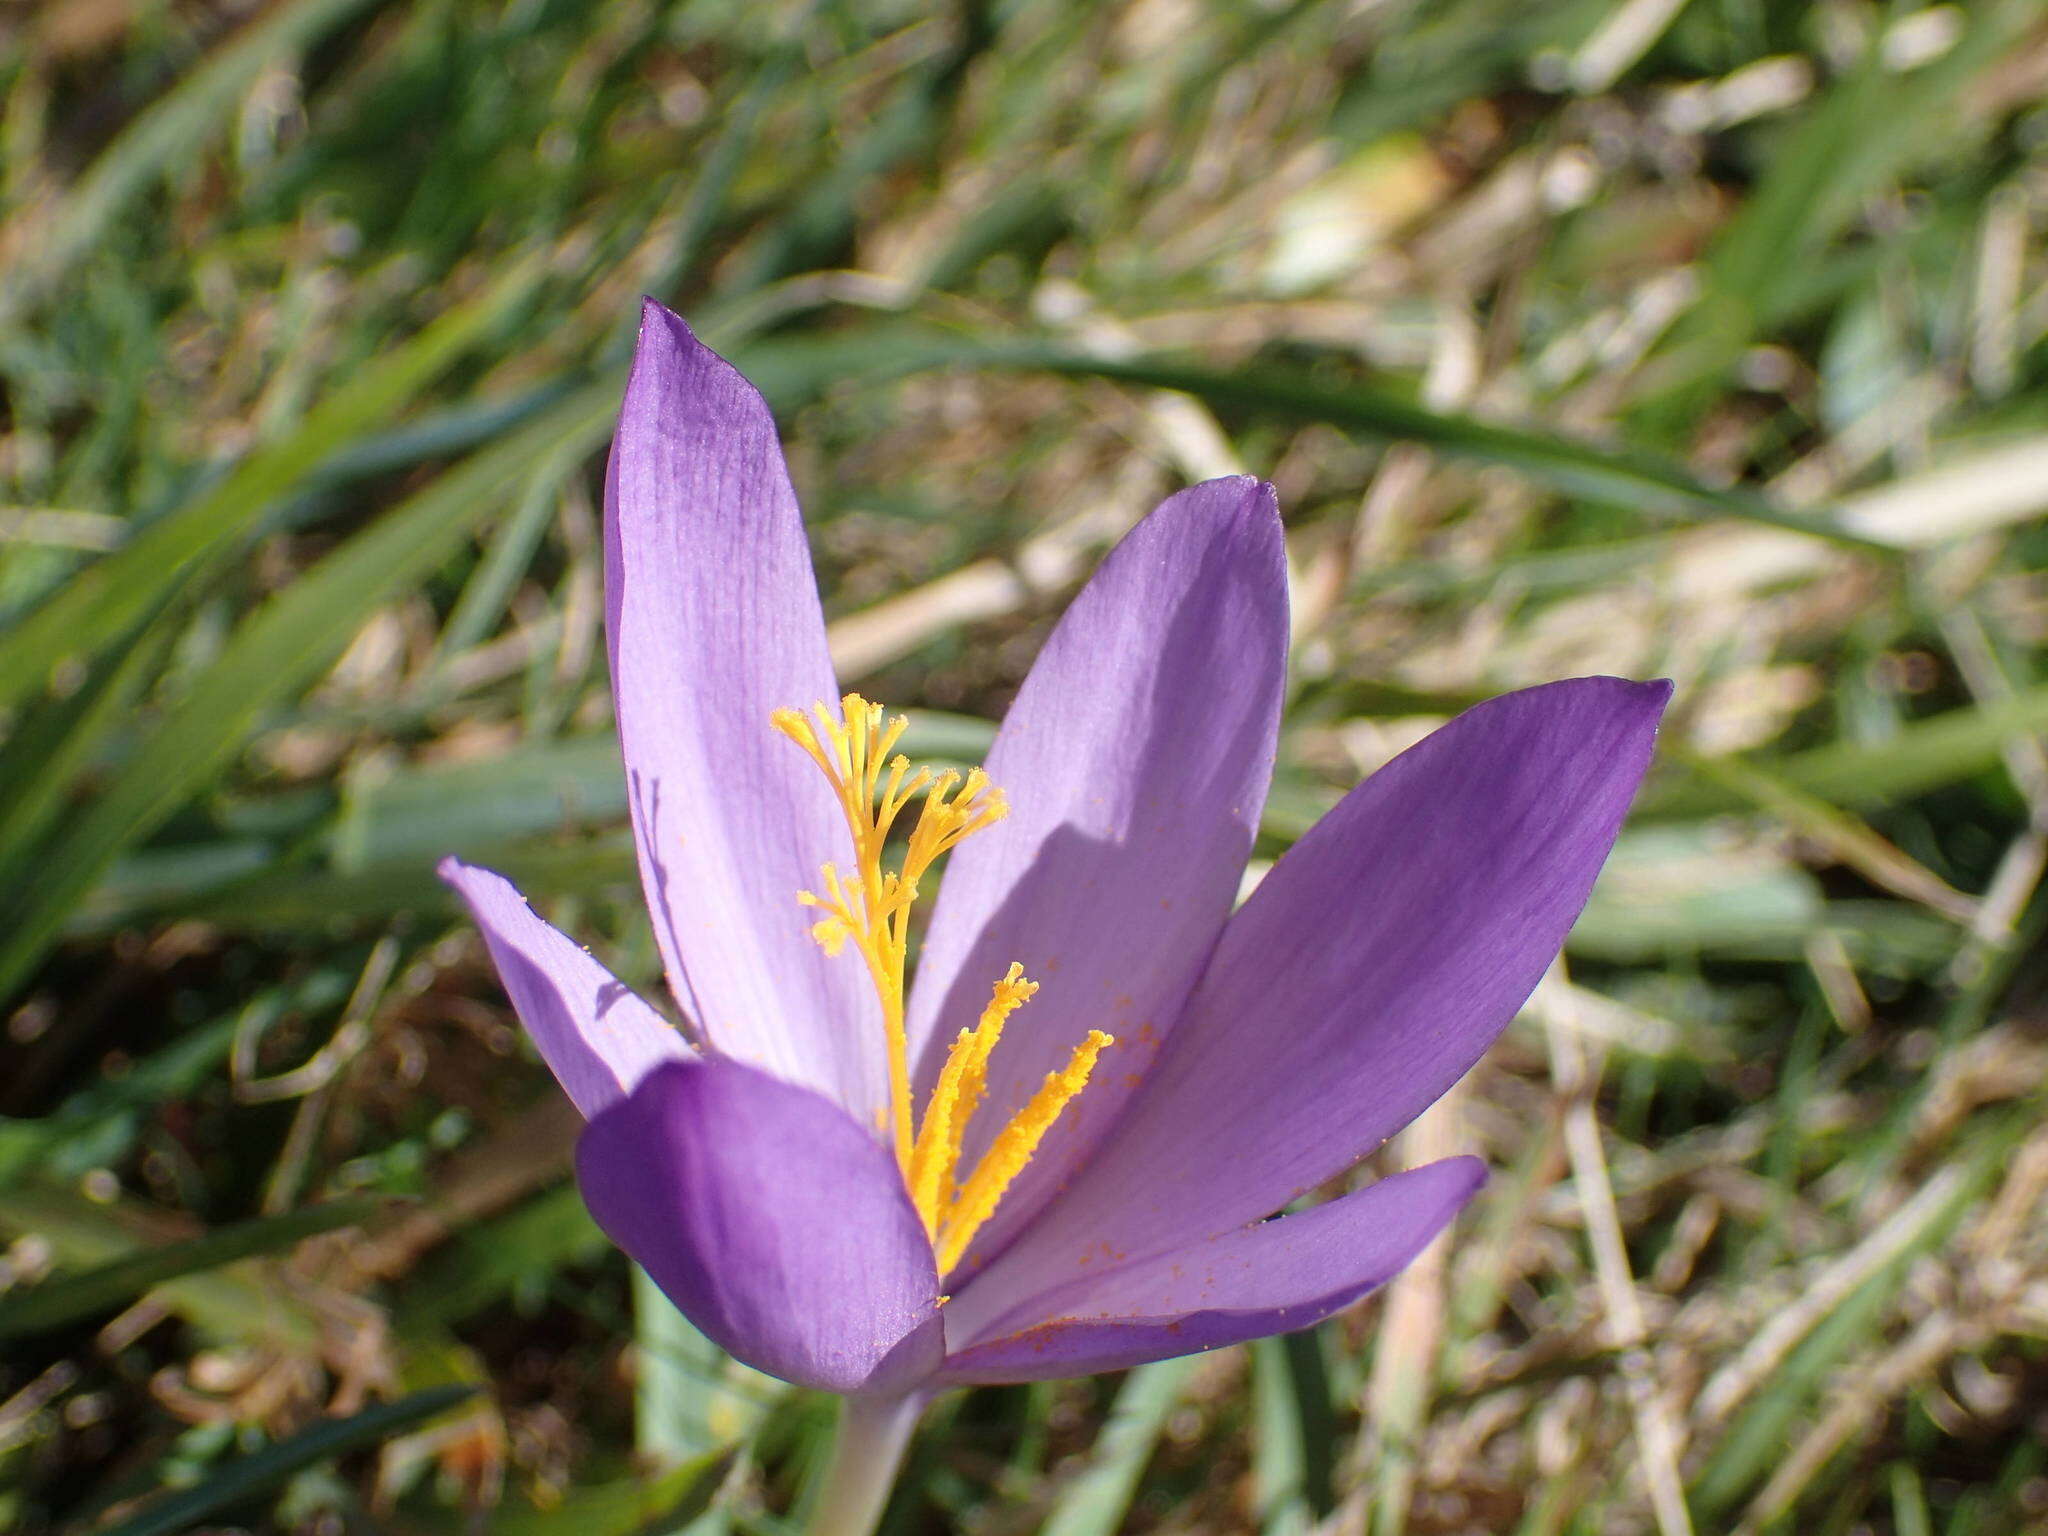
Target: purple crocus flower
{"type": "Point", "coordinates": [1060, 1152]}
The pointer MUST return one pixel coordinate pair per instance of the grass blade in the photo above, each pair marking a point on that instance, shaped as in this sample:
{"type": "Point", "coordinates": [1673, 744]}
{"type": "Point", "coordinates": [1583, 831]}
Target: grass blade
{"type": "Point", "coordinates": [71, 1298]}
{"type": "Point", "coordinates": [276, 651]}
{"type": "Point", "coordinates": [1292, 1432]}
{"type": "Point", "coordinates": [250, 1477]}
{"type": "Point", "coordinates": [1869, 128]}
{"type": "Point", "coordinates": [41, 763]}
{"type": "Point", "coordinates": [1634, 480]}
{"type": "Point", "coordinates": [1640, 482]}
{"type": "Point", "coordinates": [94, 606]}
{"type": "Point", "coordinates": [689, 1395]}
{"type": "Point", "coordinates": [631, 1508]}
{"type": "Point", "coordinates": [1095, 1503]}
{"type": "Point", "coordinates": [169, 134]}
{"type": "Point", "coordinates": [1923, 755]}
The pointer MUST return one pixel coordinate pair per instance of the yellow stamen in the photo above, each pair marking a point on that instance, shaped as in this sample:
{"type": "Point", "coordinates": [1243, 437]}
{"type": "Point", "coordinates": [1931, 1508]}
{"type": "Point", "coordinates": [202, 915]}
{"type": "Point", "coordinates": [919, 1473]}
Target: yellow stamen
{"type": "Point", "coordinates": [870, 909]}
{"type": "Point", "coordinates": [954, 1097]}
{"type": "Point", "coordinates": [1011, 1150]}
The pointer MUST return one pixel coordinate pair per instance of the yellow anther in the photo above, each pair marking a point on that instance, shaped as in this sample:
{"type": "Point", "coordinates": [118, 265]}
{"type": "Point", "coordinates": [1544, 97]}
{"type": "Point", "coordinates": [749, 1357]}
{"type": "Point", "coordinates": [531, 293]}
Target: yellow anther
{"type": "Point", "coordinates": [1012, 1149]}
{"type": "Point", "coordinates": [961, 1083]}
{"type": "Point", "coordinates": [870, 909]}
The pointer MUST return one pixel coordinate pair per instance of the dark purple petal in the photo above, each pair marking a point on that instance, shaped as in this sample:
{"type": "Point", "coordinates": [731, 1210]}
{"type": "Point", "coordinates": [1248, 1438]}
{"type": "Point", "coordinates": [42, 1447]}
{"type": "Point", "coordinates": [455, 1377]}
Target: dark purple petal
{"type": "Point", "coordinates": [1135, 759]}
{"type": "Point", "coordinates": [593, 1031]}
{"type": "Point", "coordinates": [775, 1223]}
{"type": "Point", "coordinates": [1273, 1277]}
{"type": "Point", "coordinates": [1368, 972]}
{"type": "Point", "coordinates": [714, 623]}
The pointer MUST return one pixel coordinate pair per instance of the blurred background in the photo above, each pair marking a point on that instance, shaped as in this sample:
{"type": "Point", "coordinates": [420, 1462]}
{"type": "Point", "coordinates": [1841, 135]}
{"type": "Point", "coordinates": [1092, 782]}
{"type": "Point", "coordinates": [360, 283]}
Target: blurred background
{"type": "Point", "coordinates": [1662, 338]}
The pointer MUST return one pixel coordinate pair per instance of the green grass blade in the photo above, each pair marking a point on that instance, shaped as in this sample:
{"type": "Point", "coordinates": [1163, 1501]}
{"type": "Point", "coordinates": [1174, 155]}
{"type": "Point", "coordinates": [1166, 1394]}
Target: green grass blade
{"type": "Point", "coordinates": [72, 1298]}
{"type": "Point", "coordinates": [1820, 822]}
{"type": "Point", "coordinates": [484, 1261]}
{"type": "Point", "coordinates": [1292, 1433]}
{"type": "Point", "coordinates": [1923, 755]}
{"type": "Point", "coordinates": [169, 135]}
{"type": "Point", "coordinates": [41, 763]}
{"type": "Point", "coordinates": [234, 1303]}
{"type": "Point", "coordinates": [789, 372]}
{"type": "Point", "coordinates": [816, 228]}
{"type": "Point", "coordinates": [504, 563]}
{"type": "Point", "coordinates": [689, 1396]}
{"type": "Point", "coordinates": [1870, 127]}
{"type": "Point", "coordinates": [634, 1507]}
{"type": "Point", "coordinates": [295, 899]}
{"type": "Point", "coordinates": [275, 652]}
{"type": "Point", "coordinates": [94, 606]}
{"type": "Point", "coordinates": [1757, 1435]}
{"type": "Point", "coordinates": [1636, 481]}
{"type": "Point", "coordinates": [250, 1477]}
{"type": "Point", "coordinates": [1095, 1502]}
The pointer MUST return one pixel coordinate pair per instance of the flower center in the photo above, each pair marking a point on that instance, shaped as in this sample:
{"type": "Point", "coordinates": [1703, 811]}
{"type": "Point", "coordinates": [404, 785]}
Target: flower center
{"type": "Point", "coordinates": [870, 909]}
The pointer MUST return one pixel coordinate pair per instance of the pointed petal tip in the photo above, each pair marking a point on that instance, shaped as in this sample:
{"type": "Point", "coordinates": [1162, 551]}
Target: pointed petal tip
{"type": "Point", "coordinates": [674, 371]}
{"type": "Point", "coordinates": [474, 883]}
{"type": "Point", "coordinates": [1650, 699]}
{"type": "Point", "coordinates": [596, 1034]}
{"type": "Point", "coordinates": [712, 623]}
{"type": "Point", "coordinates": [1238, 516]}
{"type": "Point", "coordinates": [1254, 498]}
{"type": "Point", "coordinates": [1654, 690]}
{"type": "Point", "coordinates": [657, 316]}
{"type": "Point", "coordinates": [1466, 1175]}
{"type": "Point", "coordinates": [461, 876]}
{"type": "Point", "coordinates": [1250, 485]}
{"type": "Point", "coordinates": [665, 337]}
{"type": "Point", "coordinates": [1442, 1188]}
{"type": "Point", "coordinates": [1622, 696]}
{"type": "Point", "coordinates": [1262, 500]}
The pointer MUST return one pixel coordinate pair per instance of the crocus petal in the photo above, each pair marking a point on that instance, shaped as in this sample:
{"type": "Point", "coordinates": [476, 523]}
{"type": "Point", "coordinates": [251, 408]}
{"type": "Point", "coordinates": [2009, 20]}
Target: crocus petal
{"type": "Point", "coordinates": [1367, 973]}
{"type": "Point", "coordinates": [774, 1222]}
{"type": "Point", "coordinates": [593, 1031]}
{"type": "Point", "coordinates": [1272, 1277]}
{"type": "Point", "coordinates": [1135, 758]}
{"type": "Point", "coordinates": [713, 621]}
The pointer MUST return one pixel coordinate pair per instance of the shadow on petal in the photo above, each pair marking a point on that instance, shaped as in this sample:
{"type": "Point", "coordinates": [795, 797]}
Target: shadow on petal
{"type": "Point", "coordinates": [775, 1223]}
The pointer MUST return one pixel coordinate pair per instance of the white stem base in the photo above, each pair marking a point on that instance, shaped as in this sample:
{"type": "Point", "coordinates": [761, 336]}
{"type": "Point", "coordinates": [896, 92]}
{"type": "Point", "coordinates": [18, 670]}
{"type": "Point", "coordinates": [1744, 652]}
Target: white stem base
{"type": "Point", "coordinates": [868, 1450]}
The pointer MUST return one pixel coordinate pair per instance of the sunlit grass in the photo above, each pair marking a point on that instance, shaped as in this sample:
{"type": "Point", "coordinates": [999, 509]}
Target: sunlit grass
{"type": "Point", "coordinates": [1702, 341]}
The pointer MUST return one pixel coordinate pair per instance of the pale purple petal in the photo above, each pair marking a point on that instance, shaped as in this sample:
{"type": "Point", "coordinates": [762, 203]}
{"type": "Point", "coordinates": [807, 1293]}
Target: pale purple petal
{"type": "Point", "coordinates": [1135, 759]}
{"type": "Point", "coordinates": [1272, 1277]}
{"type": "Point", "coordinates": [775, 1223]}
{"type": "Point", "coordinates": [713, 623]}
{"type": "Point", "coordinates": [593, 1031]}
{"type": "Point", "coordinates": [1368, 972]}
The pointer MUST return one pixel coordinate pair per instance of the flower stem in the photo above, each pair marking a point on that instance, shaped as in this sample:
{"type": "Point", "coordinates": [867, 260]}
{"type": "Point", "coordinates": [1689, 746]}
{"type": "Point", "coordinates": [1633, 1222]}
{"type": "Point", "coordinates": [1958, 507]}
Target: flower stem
{"type": "Point", "coordinates": [873, 1434]}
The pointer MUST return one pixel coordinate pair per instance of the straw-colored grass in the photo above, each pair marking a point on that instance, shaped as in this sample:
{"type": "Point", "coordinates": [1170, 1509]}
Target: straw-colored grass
{"type": "Point", "coordinates": [1694, 340]}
